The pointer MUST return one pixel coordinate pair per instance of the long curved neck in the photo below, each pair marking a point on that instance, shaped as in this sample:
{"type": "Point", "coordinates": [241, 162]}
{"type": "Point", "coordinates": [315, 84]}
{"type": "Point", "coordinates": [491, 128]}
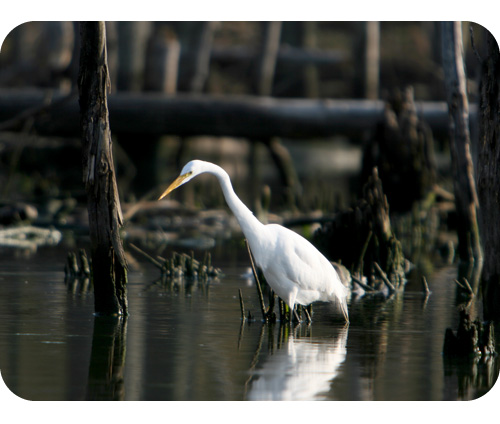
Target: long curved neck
{"type": "Point", "coordinates": [249, 224]}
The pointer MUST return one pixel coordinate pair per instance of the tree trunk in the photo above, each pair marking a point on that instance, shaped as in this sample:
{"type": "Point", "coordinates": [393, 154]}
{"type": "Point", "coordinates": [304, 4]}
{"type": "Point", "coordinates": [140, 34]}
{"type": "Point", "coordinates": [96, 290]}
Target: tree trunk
{"type": "Point", "coordinates": [466, 201]}
{"type": "Point", "coordinates": [488, 179]}
{"type": "Point", "coordinates": [109, 268]}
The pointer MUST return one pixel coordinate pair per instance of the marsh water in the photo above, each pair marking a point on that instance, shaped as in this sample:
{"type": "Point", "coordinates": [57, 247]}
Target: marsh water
{"type": "Point", "coordinates": [188, 342]}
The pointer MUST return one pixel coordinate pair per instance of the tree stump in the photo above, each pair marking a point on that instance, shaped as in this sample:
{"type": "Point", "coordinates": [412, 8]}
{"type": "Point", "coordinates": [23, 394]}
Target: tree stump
{"type": "Point", "coordinates": [109, 267]}
{"type": "Point", "coordinates": [402, 151]}
{"type": "Point", "coordinates": [472, 338]}
{"type": "Point", "coordinates": [361, 238]}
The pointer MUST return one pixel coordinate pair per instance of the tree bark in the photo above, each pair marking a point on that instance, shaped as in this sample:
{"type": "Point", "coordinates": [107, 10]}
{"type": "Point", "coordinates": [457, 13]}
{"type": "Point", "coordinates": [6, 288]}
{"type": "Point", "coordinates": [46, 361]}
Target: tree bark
{"type": "Point", "coordinates": [109, 267]}
{"type": "Point", "coordinates": [469, 248]}
{"type": "Point", "coordinates": [488, 179]}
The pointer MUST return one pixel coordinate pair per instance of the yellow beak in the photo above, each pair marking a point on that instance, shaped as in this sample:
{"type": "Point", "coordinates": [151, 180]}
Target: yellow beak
{"type": "Point", "coordinates": [178, 181]}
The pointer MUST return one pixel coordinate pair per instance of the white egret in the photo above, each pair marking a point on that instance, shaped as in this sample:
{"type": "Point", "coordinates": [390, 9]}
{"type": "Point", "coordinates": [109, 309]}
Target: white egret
{"type": "Point", "coordinates": [296, 271]}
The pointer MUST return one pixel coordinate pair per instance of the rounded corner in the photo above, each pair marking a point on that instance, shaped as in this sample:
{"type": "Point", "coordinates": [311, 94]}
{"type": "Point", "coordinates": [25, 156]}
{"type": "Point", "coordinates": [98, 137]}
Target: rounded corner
{"type": "Point", "coordinates": [491, 395]}
{"type": "Point", "coordinates": [6, 29]}
{"type": "Point", "coordinates": [485, 28]}
{"type": "Point", "coordinates": [7, 394]}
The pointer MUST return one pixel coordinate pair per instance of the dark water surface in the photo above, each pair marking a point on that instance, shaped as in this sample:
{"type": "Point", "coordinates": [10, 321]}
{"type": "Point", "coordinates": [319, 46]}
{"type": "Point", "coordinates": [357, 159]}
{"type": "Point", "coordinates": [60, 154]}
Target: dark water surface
{"type": "Point", "coordinates": [187, 342]}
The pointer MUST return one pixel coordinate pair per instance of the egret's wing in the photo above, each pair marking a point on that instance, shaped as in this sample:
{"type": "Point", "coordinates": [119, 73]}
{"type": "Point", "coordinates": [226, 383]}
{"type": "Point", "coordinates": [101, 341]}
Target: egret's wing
{"type": "Point", "coordinates": [309, 268]}
{"type": "Point", "coordinates": [302, 263]}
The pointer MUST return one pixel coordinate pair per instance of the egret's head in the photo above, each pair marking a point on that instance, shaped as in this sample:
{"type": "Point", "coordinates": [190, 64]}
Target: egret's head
{"type": "Point", "coordinates": [191, 170]}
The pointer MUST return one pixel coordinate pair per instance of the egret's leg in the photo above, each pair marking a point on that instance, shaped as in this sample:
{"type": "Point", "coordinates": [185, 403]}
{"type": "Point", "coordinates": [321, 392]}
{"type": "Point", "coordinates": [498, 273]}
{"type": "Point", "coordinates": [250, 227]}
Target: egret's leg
{"type": "Point", "coordinates": [344, 311]}
{"type": "Point", "coordinates": [291, 303]}
{"type": "Point", "coordinates": [296, 315]}
{"type": "Point", "coordinates": [308, 316]}
{"type": "Point", "coordinates": [287, 312]}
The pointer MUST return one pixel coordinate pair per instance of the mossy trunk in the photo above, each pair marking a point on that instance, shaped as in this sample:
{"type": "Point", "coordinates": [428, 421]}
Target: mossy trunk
{"type": "Point", "coordinates": [109, 267]}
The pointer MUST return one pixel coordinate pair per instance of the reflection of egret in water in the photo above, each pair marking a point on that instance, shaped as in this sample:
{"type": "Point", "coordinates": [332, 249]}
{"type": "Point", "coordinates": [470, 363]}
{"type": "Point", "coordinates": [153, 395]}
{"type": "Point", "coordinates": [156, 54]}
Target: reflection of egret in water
{"type": "Point", "coordinates": [302, 369]}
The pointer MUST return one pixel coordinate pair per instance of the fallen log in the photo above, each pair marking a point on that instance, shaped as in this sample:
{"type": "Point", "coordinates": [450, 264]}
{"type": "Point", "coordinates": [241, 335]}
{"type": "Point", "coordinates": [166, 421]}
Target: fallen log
{"type": "Point", "coordinates": [253, 117]}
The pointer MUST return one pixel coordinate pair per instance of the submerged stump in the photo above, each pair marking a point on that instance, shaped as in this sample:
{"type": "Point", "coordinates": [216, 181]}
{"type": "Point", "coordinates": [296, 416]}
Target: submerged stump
{"type": "Point", "coordinates": [472, 338]}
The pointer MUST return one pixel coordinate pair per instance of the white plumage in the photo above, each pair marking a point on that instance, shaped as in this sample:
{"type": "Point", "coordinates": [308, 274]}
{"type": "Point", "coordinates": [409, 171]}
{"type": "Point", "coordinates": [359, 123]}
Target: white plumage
{"type": "Point", "coordinates": [296, 271]}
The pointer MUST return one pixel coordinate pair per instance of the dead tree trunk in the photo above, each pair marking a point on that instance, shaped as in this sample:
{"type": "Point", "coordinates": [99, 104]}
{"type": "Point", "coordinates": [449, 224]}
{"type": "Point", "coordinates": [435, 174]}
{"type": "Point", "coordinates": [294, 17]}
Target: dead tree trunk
{"type": "Point", "coordinates": [488, 179]}
{"type": "Point", "coordinates": [109, 267]}
{"type": "Point", "coordinates": [466, 201]}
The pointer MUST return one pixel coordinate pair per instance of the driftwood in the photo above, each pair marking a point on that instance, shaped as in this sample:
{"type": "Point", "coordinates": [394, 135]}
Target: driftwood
{"type": "Point", "coordinates": [466, 201]}
{"type": "Point", "coordinates": [191, 115]}
{"type": "Point", "coordinates": [488, 179]}
{"type": "Point", "coordinates": [29, 237]}
{"type": "Point", "coordinates": [109, 267]}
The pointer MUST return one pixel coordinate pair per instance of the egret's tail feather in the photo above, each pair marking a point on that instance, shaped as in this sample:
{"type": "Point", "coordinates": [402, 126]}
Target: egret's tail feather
{"type": "Point", "coordinates": [341, 300]}
{"type": "Point", "coordinates": [343, 306]}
